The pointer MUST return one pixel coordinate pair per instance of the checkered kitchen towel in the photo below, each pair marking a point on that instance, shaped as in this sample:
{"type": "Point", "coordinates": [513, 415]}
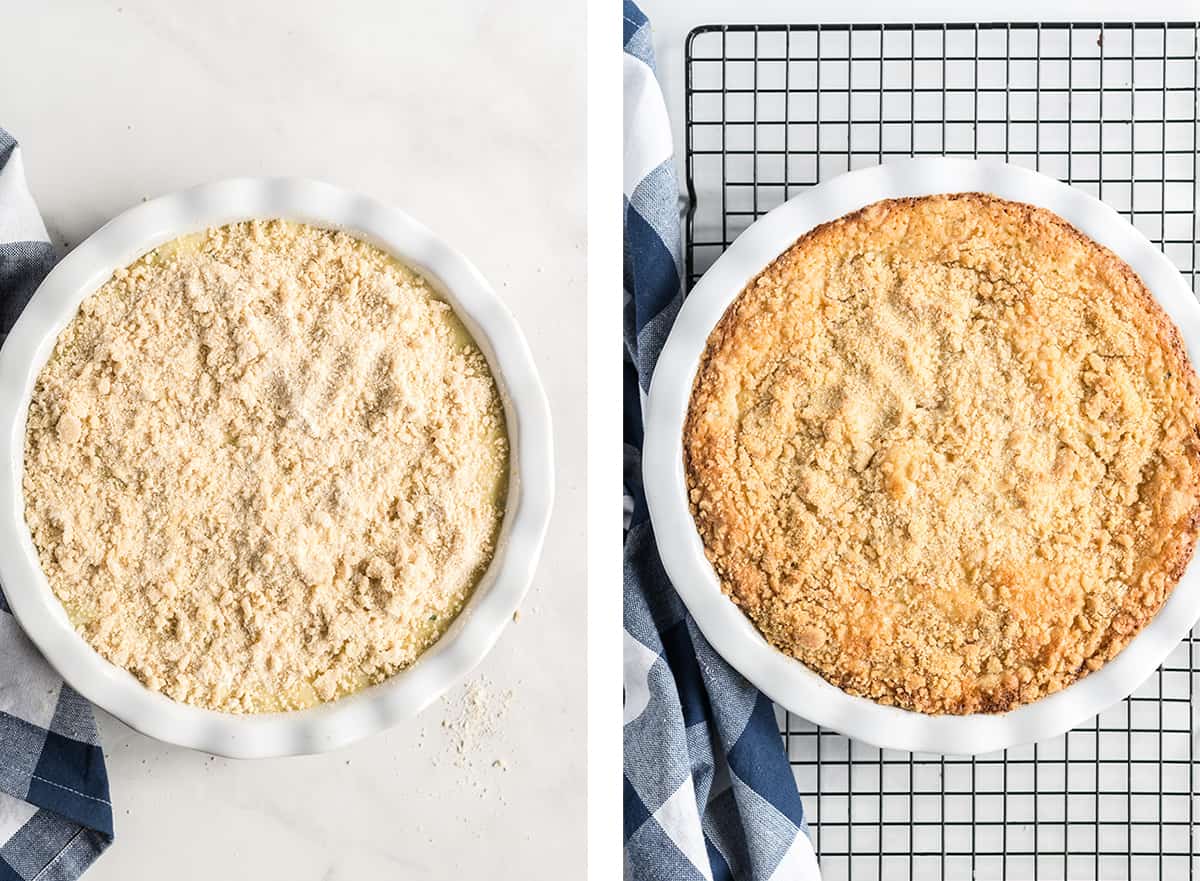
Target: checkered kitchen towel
{"type": "Point", "coordinates": [55, 816]}
{"type": "Point", "coordinates": [709, 793]}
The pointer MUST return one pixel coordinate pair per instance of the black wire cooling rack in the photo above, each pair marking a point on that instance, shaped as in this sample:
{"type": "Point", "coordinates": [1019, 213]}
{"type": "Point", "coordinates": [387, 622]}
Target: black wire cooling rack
{"type": "Point", "coordinates": [1112, 109]}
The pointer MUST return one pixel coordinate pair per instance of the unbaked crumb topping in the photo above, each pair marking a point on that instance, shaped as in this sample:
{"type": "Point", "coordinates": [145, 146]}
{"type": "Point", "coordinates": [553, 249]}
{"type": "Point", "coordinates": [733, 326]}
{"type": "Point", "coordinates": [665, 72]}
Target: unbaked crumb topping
{"type": "Point", "coordinates": [265, 466]}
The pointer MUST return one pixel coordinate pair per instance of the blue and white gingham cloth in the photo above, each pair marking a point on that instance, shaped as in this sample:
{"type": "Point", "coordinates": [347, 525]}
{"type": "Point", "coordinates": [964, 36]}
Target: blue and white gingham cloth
{"type": "Point", "coordinates": [55, 814]}
{"type": "Point", "coordinates": [709, 793]}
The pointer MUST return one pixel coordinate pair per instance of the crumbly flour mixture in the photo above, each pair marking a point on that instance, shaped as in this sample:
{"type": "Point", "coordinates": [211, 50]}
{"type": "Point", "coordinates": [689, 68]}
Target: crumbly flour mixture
{"type": "Point", "coordinates": [265, 466]}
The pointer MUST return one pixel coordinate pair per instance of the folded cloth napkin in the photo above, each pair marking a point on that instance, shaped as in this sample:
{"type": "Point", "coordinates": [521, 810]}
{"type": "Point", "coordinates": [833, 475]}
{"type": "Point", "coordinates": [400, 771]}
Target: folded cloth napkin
{"type": "Point", "coordinates": [708, 789]}
{"type": "Point", "coordinates": [55, 815]}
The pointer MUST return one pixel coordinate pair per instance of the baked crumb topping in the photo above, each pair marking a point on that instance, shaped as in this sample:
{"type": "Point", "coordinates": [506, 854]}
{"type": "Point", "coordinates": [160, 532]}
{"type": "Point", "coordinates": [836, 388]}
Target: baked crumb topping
{"type": "Point", "coordinates": [264, 467]}
{"type": "Point", "coordinates": [946, 452]}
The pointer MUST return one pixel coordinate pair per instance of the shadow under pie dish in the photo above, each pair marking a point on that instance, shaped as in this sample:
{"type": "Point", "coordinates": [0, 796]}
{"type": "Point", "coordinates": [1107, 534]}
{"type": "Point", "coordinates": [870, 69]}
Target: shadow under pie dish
{"type": "Point", "coordinates": [946, 452]}
{"type": "Point", "coordinates": [258, 463]}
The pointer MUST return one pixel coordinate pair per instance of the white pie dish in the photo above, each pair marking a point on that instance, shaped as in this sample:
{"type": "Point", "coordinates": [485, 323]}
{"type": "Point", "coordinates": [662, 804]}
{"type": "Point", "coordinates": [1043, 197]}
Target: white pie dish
{"type": "Point", "coordinates": [531, 484]}
{"type": "Point", "coordinates": [784, 679]}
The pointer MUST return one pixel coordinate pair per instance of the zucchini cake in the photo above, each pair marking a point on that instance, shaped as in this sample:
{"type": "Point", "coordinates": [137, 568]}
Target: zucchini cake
{"type": "Point", "coordinates": [945, 451]}
{"type": "Point", "coordinates": [265, 466]}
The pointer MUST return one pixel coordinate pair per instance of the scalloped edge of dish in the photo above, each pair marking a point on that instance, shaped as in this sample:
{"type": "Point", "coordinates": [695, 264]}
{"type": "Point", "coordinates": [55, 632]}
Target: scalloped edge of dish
{"type": "Point", "coordinates": [782, 678]}
{"type": "Point", "coordinates": [495, 598]}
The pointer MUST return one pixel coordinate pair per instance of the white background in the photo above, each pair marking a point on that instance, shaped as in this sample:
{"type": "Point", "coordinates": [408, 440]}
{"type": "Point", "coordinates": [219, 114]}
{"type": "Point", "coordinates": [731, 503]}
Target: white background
{"type": "Point", "coordinates": [470, 116]}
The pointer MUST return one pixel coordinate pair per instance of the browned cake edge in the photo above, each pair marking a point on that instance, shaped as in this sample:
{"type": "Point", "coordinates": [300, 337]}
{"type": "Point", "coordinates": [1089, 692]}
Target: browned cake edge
{"type": "Point", "coordinates": [742, 583]}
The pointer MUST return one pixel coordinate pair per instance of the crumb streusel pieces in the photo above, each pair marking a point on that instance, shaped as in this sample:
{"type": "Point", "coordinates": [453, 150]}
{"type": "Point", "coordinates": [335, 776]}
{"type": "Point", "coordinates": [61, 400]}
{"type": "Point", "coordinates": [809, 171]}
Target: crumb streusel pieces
{"type": "Point", "coordinates": [264, 467]}
{"type": "Point", "coordinates": [946, 452]}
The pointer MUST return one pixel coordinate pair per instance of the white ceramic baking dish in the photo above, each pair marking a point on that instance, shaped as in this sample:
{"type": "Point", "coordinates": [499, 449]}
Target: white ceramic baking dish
{"type": "Point", "coordinates": [531, 486]}
{"type": "Point", "coordinates": [781, 677]}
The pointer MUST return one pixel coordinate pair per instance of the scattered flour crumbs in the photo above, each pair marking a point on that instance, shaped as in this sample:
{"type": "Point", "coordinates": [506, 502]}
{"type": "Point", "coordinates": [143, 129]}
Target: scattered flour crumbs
{"type": "Point", "coordinates": [264, 467]}
{"type": "Point", "coordinates": [471, 721]}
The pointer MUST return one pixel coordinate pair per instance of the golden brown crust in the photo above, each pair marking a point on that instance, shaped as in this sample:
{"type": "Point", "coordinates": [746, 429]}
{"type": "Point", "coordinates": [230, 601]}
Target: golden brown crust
{"type": "Point", "coordinates": [946, 452]}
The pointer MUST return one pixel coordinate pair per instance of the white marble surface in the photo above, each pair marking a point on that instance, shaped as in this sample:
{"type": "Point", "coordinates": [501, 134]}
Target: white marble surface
{"type": "Point", "coordinates": [469, 116]}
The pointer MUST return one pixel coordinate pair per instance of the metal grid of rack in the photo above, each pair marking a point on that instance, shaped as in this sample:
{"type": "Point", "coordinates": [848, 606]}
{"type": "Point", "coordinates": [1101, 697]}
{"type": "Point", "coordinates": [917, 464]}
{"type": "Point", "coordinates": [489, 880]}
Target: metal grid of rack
{"type": "Point", "coordinates": [1111, 108]}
